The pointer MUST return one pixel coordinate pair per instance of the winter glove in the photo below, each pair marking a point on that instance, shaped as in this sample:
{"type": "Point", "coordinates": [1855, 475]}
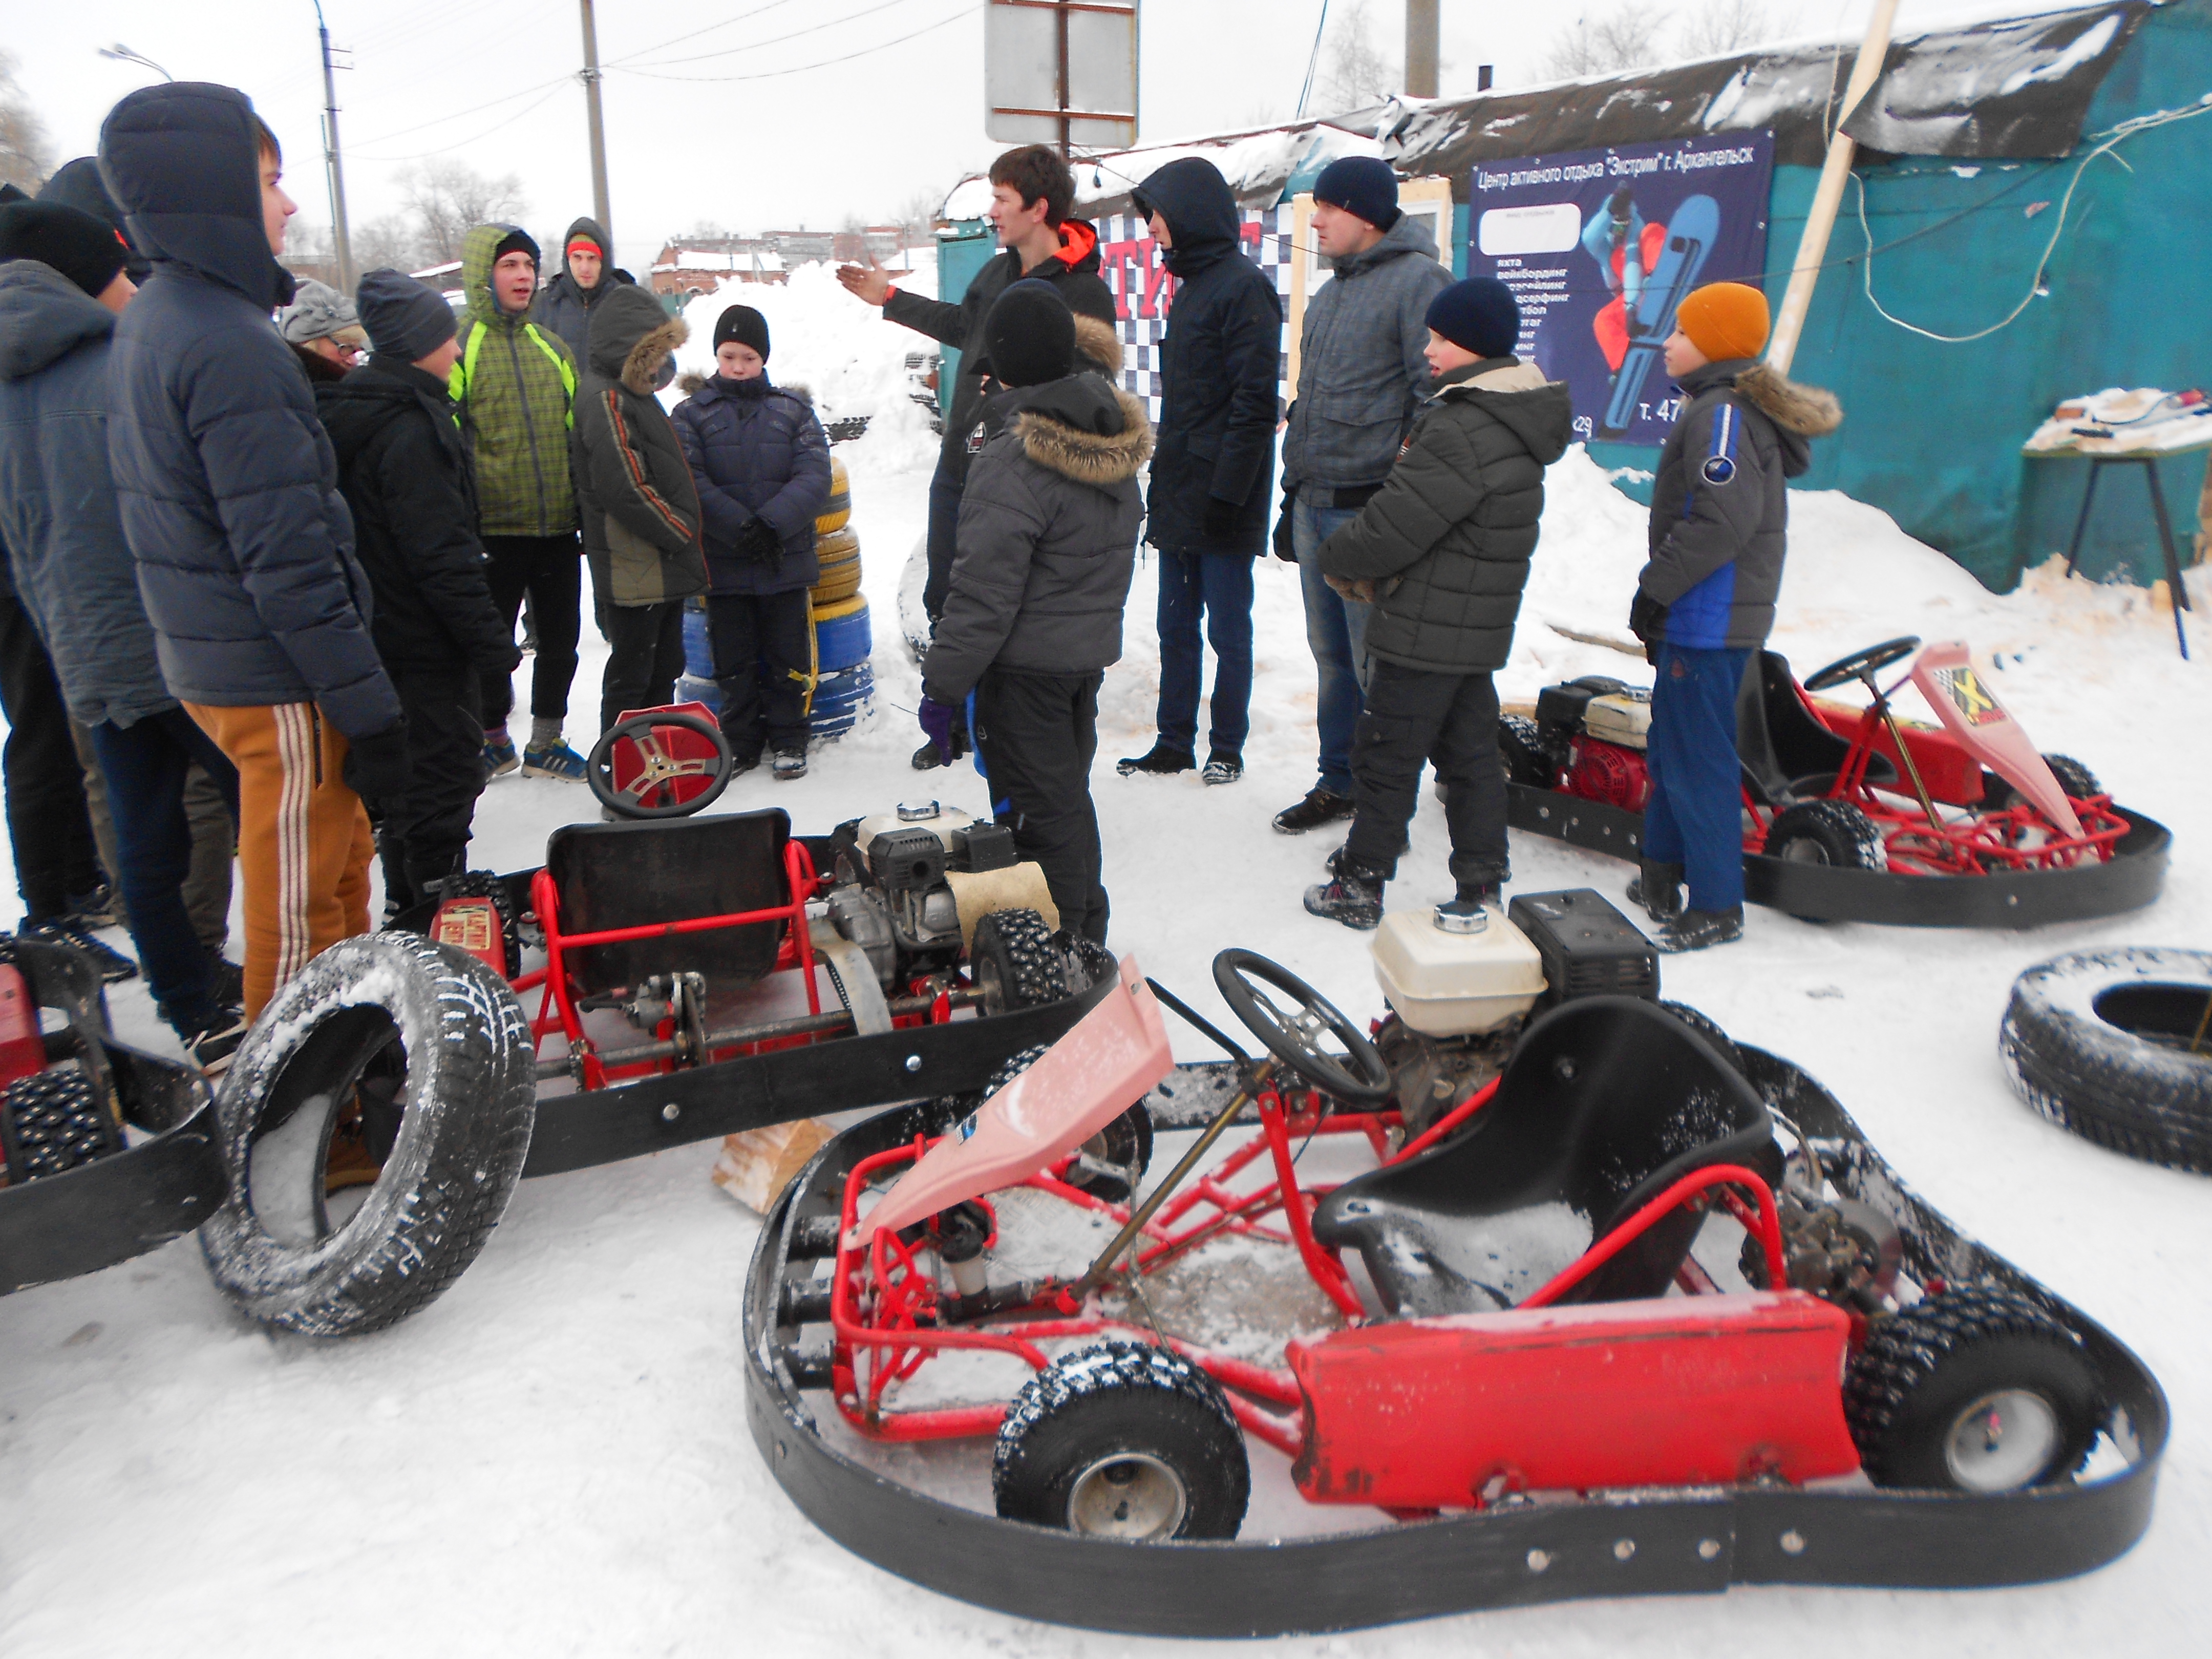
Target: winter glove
{"type": "Point", "coordinates": [1284, 549]}
{"type": "Point", "coordinates": [1647, 620]}
{"type": "Point", "coordinates": [1221, 518]}
{"type": "Point", "coordinates": [376, 766]}
{"type": "Point", "coordinates": [758, 544]}
{"type": "Point", "coordinates": [937, 721]}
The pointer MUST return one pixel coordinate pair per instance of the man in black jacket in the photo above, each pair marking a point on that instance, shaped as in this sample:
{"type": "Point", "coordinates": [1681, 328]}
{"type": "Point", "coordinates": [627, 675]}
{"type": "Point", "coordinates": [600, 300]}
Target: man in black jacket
{"type": "Point", "coordinates": [1212, 464]}
{"type": "Point", "coordinates": [1032, 192]}
{"type": "Point", "coordinates": [404, 468]}
{"type": "Point", "coordinates": [587, 274]}
{"type": "Point", "coordinates": [1047, 544]}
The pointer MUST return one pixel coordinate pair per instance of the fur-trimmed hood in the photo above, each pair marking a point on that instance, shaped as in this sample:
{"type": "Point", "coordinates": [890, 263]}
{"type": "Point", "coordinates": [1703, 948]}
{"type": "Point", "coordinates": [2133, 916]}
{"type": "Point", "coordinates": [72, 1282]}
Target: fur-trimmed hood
{"type": "Point", "coordinates": [1098, 343]}
{"type": "Point", "coordinates": [633, 338]}
{"type": "Point", "coordinates": [1087, 431]}
{"type": "Point", "coordinates": [1807, 411]}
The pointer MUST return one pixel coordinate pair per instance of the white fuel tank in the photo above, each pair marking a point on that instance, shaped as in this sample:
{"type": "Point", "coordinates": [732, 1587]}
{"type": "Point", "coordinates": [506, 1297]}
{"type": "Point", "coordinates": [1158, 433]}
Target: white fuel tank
{"type": "Point", "coordinates": [914, 815]}
{"type": "Point", "coordinates": [1449, 984]}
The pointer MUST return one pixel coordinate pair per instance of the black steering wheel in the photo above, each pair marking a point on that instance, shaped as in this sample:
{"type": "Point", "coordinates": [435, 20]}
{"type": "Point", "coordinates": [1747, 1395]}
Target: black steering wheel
{"type": "Point", "coordinates": [1293, 1035]}
{"type": "Point", "coordinates": [660, 770]}
{"type": "Point", "coordinates": [1862, 665]}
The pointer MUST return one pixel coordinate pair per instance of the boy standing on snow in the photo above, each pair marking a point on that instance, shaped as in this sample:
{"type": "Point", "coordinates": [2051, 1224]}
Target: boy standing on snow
{"type": "Point", "coordinates": [1439, 555]}
{"type": "Point", "coordinates": [1720, 519]}
{"type": "Point", "coordinates": [763, 467]}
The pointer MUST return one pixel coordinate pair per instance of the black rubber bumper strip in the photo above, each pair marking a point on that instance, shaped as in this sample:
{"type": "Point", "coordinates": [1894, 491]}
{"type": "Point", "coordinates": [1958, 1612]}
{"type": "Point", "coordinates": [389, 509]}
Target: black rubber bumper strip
{"type": "Point", "coordinates": [600, 1126]}
{"type": "Point", "coordinates": [2133, 878]}
{"type": "Point", "coordinates": [1638, 1543]}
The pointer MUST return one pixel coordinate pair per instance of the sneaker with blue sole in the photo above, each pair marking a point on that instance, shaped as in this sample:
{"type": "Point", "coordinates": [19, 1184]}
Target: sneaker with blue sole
{"type": "Point", "coordinates": [555, 760]}
{"type": "Point", "coordinates": [499, 758]}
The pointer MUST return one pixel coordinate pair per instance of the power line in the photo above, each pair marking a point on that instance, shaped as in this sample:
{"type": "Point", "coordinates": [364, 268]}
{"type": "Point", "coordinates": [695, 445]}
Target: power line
{"type": "Point", "coordinates": [773, 40]}
{"type": "Point", "coordinates": [499, 125]}
{"type": "Point", "coordinates": [801, 69]}
{"type": "Point", "coordinates": [401, 132]}
{"type": "Point", "coordinates": [709, 29]}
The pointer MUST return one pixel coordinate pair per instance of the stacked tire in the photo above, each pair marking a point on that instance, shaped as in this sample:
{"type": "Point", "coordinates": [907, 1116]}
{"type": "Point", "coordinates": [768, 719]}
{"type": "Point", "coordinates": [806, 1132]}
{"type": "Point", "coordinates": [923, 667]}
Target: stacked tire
{"type": "Point", "coordinates": [696, 683]}
{"type": "Point", "coordinates": [846, 686]}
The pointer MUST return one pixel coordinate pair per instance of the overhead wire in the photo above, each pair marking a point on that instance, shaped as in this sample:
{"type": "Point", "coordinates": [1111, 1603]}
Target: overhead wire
{"type": "Point", "coordinates": [773, 40]}
{"type": "Point", "coordinates": [694, 34]}
{"type": "Point", "coordinates": [801, 69]}
{"type": "Point", "coordinates": [1313, 61]}
{"type": "Point", "coordinates": [451, 145]}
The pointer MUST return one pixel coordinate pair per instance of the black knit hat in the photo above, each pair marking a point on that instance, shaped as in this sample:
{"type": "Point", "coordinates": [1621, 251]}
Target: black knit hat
{"type": "Point", "coordinates": [745, 325]}
{"type": "Point", "coordinates": [1478, 315]}
{"type": "Point", "coordinates": [1029, 335]}
{"type": "Point", "coordinates": [405, 319]}
{"type": "Point", "coordinates": [517, 240]}
{"type": "Point", "coordinates": [76, 244]}
{"type": "Point", "coordinates": [1364, 186]}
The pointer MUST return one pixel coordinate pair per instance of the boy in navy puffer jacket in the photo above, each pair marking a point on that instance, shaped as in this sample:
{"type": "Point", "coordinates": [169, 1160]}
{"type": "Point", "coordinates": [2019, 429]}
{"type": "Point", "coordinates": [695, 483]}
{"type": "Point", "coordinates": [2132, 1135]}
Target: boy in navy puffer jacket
{"type": "Point", "coordinates": [761, 464]}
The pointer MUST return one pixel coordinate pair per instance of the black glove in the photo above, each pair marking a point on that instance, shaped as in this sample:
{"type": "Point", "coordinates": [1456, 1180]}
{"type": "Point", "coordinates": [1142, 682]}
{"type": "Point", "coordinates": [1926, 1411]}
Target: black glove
{"type": "Point", "coordinates": [376, 765]}
{"type": "Point", "coordinates": [1221, 522]}
{"type": "Point", "coordinates": [1647, 620]}
{"type": "Point", "coordinates": [758, 544]}
{"type": "Point", "coordinates": [1284, 549]}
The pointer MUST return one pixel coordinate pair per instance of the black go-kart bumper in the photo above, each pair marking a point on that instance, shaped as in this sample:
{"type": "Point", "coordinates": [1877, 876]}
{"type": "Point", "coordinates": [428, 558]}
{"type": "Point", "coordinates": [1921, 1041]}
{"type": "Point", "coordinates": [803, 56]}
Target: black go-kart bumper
{"type": "Point", "coordinates": [2132, 879]}
{"type": "Point", "coordinates": [1631, 1543]}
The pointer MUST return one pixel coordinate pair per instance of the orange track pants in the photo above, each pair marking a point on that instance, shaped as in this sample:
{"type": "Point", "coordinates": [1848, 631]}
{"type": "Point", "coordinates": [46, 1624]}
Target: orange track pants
{"type": "Point", "coordinates": [303, 838]}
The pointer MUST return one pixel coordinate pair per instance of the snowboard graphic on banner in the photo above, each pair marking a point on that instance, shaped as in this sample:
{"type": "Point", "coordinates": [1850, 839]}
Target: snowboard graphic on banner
{"type": "Point", "coordinates": [1599, 246]}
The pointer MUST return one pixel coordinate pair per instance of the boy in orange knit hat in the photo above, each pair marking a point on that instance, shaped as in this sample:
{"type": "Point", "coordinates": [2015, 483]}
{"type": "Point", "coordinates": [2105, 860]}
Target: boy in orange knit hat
{"type": "Point", "coordinates": [1705, 601]}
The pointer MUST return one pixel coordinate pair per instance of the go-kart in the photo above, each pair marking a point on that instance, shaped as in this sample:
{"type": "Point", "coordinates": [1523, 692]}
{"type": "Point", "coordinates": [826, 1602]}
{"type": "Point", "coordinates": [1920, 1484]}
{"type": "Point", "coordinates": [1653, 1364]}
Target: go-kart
{"type": "Point", "coordinates": [1591, 1326]}
{"type": "Point", "coordinates": [1852, 813]}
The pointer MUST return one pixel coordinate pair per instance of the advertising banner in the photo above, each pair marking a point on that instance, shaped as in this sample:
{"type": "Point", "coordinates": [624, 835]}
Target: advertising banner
{"type": "Point", "coordinates": [1599, 245]}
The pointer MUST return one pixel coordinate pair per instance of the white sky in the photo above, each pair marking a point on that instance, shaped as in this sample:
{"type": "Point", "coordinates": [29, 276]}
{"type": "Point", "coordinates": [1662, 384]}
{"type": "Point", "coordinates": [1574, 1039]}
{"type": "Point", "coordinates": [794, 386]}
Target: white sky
{"type": "Point", "coordinates": [797, 144]}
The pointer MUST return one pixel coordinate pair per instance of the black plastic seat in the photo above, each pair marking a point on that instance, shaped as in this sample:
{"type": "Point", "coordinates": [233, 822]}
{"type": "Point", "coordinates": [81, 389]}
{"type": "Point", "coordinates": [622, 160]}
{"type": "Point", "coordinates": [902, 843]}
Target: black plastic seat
{"type": "Point", "coordinates": [1787, 753]}
{"type": "Point", "coordinates": [1607, 1101]}
{"type": "Point", "coordinates": [634, 875]}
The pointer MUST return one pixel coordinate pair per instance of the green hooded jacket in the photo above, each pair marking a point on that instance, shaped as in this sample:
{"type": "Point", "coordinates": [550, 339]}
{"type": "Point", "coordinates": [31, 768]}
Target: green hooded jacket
{"type": "Point", "coordinates": [515, 383]}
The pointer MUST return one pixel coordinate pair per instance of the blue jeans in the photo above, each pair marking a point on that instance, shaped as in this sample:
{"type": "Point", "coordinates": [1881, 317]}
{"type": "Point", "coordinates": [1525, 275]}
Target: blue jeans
{"type": "Point", "coordinates": [1696, 816]}
{"type": "Point", "coordinates": [144, 765]}
{"type": "Point", "coordinates": [1336, 629]}
{"type": "Point", "coordinates": [1219, 585]}
{"type": "Point", "coordinates": [944, 492]}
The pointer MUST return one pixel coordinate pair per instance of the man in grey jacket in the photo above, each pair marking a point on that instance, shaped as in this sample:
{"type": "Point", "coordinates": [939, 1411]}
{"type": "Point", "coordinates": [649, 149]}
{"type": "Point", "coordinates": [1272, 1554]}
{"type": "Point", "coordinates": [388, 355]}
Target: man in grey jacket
{"type": "Point", "coordinates": [1361, 378]}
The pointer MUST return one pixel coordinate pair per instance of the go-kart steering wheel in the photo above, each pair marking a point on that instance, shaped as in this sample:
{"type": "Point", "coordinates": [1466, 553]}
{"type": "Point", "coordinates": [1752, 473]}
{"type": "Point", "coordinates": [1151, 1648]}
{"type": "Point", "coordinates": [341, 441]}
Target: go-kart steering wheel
{"type": "Point", "coordinates": [660, 772]}
{"type": "Point", "coordinates": [1293, 1036]}
{"type": "Point", "coordinates": [1860, 664]}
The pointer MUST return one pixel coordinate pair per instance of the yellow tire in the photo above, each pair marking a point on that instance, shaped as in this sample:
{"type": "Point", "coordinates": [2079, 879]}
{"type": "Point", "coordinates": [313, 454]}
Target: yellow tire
{"type": "Point", "coordinates": [851, 607]}
{"type": "Point", "coordinates": [837, 512]}
{"type": "Point", "coordinates": [837, 588]}
{"type": "Point", "coordinates": [837, 547]}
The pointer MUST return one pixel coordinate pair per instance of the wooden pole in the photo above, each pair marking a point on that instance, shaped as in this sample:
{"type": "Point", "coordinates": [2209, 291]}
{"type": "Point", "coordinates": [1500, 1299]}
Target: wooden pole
{"type": "Point", "coordinates": [601, 209]}
{"type": "Point", "coordinates": [1813, 247]}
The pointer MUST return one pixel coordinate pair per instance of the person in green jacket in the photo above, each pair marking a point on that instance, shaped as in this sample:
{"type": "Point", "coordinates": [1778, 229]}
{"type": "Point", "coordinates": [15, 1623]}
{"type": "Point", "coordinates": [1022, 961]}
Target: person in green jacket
{"type": "Point", "coordinates": [516, 385]}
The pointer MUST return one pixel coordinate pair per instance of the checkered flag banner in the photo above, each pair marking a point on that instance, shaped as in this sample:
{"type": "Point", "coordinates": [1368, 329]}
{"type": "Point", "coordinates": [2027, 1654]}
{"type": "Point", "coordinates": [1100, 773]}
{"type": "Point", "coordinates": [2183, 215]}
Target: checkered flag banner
{"type": "Point", "coordinates": [1129, 261]}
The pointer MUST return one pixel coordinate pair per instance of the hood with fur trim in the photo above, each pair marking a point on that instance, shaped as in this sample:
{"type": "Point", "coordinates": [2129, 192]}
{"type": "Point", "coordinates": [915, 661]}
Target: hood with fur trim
{"type": "Point", "coordinates": [1086, 430]}
{"type": "Point", "coordinates": [1098, 346]}
{"type": "Point", "coordinates": [1807, 411]}
{"type": "Point", "coordinates": [632, 338]}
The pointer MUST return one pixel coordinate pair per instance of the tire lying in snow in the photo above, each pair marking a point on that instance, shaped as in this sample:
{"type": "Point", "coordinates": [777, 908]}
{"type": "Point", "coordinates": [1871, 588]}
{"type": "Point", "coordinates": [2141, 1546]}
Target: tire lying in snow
{"type": "Point", "coordinates": [2099, 1042]}
{"type": "Point", "coordinates": [426, 1050]}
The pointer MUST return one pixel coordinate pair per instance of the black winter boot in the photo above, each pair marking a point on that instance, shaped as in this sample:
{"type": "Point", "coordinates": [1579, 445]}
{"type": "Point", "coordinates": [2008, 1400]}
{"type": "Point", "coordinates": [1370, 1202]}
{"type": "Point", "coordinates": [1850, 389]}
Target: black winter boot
{"type": "Point", "coordinates": [1160, 759]}
{"type": "Point", "coordinates": [1319, 808]}
{"type": "Point", "coordinates": [1658, 888]}
{"type": "Point", "coordinates": [1353, 896]}
{"type": "Point", "coordinates": [1694, 930]}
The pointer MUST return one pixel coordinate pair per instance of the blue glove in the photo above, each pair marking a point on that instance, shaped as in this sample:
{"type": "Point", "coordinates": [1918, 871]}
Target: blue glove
{"type": "Point", "coordinates": [937, 722]}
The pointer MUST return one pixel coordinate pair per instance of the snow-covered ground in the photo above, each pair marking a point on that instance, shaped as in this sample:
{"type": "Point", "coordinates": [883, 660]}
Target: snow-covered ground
{"type": "Point", "coordinates": [553, 1459]}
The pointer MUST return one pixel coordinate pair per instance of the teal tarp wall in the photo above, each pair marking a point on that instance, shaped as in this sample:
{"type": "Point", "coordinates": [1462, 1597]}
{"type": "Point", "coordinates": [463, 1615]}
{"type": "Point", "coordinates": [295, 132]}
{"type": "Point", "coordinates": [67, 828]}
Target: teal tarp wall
{"type": "Point", "coordinates": [1932, 432]}
{"type": "Point", "coordinates": [960, 254]}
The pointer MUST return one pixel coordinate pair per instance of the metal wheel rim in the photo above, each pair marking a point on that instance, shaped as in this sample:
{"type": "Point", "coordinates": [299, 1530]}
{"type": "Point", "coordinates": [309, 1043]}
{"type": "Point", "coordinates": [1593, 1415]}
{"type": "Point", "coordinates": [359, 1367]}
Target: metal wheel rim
{"type": "Point", "coordinates": [989, 986]}
{"type": "Point", "coordinates": [1803, 849]}
{"type": "Point", "coordinates": [1126, 1494]}
{"type": "Point", "coordinates": [2002, 1442]}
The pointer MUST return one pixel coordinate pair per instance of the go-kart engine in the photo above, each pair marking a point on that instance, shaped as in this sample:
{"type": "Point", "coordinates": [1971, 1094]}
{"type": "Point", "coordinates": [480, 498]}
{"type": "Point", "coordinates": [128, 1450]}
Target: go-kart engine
{"type": "Point", "coordinates": [1608, 774]}
{"type": "Point", "coordinates": [893, 899]}
{"type": "Point", "coordinates": [1838, 1249]}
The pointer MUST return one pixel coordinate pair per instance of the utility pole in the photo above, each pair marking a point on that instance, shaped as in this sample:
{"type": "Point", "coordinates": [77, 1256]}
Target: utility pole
{"type": "Point", "coordinates": [1421, 48]}
{"type": "Point", "coordinates": [340, 240]}
{"type": "Point", "coordinates": [600, 209]}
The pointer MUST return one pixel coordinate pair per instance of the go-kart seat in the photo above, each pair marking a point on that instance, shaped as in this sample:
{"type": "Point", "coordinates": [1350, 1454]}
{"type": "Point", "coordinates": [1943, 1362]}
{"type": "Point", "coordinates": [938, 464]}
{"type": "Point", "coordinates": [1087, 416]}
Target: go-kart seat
{"type": "Point", "coordinates": [1606, 1101]}
{"type": "Point", "coordinates": [633, 875]}
{"type": "Point", "coordinates": [1787, 753]}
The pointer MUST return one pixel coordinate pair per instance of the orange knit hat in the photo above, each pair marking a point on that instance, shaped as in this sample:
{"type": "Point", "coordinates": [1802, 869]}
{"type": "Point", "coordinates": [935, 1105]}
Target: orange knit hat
{"type": "Point", "coordinates": [1724, 320]}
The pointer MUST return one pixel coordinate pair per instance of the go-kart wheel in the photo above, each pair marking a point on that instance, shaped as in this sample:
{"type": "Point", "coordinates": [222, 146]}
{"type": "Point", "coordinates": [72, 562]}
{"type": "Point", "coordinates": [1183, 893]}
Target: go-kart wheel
{"type": "Point", "coordinates": [1973, 1389]}
{"type": "Point", "coordinates": [1521, 746]}
{"type": "Point", "coordinates": [415, 1059]}
{"type": "Point", "coordinates": [1111, 1164]}
{"type": "Point", "coordinates": [651, 793]}
{"type": "Point", "coordinates": [1831, 832]}
{"type": "Point", "coordinates": [1294, 1037]}
{"type": "Point", "coordinates": [51, 1122]}
{"type": "Point", "coordinates": [1124, 1440]}
{"type": "Point", "coordinates": [1014, 963]}
{"type": "Point", "coordinates": [1862, 664]}
{"type": "Point", "coordinates": [2076, 781]}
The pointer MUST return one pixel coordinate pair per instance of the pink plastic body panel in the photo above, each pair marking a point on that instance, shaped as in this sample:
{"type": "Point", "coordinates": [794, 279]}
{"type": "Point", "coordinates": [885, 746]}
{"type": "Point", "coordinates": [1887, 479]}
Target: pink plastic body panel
{"type": "Point", "coordinates": [1109, 1060]}
{"type": "Point", "coordinates": [1946, 676]}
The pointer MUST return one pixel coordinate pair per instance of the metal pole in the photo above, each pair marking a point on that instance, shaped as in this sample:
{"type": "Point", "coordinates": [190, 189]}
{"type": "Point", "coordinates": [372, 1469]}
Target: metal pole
{"type": "Point", "coordinates": [341, 238]}
{"type": "Point", "coordinates": [1421, 48]}
{"type": "Point", "coordinates": [1812, 247]}
{"type": "Point", "coordinates": [1060, 30]}
{"type": "Point", "coordinates": [600, 208]}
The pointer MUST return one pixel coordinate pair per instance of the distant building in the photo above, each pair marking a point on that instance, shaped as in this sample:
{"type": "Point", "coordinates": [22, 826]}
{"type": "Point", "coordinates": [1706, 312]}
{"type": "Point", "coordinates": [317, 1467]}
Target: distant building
{"type": "Point", "coordinates": [688, 266]}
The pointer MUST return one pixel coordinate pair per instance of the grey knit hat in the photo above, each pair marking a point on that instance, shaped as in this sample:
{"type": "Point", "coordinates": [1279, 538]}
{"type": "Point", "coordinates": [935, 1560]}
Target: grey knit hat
{"type": "Point", "coordinates": [319, 312]}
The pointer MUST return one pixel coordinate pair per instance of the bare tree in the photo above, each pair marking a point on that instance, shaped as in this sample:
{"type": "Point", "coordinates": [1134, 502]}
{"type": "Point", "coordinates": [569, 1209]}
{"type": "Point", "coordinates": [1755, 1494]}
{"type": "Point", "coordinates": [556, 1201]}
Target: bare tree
{"type": "Point", "coordinates": [388, 242]}
{"type": "Point", "coordinates": [450, 198]}
{"type": "Point", "coordinates": [1720, 26]}
{"type": "Point", "coordinates": [1604, 43]}
{"type": "Point", "coordinates": [1354, 73]}
{"type": "Point", "coordinates": [24, 157]}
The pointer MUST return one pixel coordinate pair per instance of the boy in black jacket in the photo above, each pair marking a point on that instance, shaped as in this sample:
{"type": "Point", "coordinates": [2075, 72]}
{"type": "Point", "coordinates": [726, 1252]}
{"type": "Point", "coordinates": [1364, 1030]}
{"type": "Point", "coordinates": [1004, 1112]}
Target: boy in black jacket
{"type": "Point", "coordinates": [404, 467]}
{"type": "Point", "coordinates": [1441, 554]}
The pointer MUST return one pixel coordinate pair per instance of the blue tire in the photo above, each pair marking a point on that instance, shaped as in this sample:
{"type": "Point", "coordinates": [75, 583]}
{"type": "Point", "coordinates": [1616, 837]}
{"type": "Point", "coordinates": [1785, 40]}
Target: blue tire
{"type": "Point", "coordinates": [692, 689]}
{"type": "Point", "coordinates": [842, 642]}
{"type": "Point", "coordinates": [698, 653]}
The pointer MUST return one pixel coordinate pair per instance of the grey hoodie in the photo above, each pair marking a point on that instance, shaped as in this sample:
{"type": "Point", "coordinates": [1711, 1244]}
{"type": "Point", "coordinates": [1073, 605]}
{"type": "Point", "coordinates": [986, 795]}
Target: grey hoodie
{"type": "Point", "coordinates": [1361, 374]}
